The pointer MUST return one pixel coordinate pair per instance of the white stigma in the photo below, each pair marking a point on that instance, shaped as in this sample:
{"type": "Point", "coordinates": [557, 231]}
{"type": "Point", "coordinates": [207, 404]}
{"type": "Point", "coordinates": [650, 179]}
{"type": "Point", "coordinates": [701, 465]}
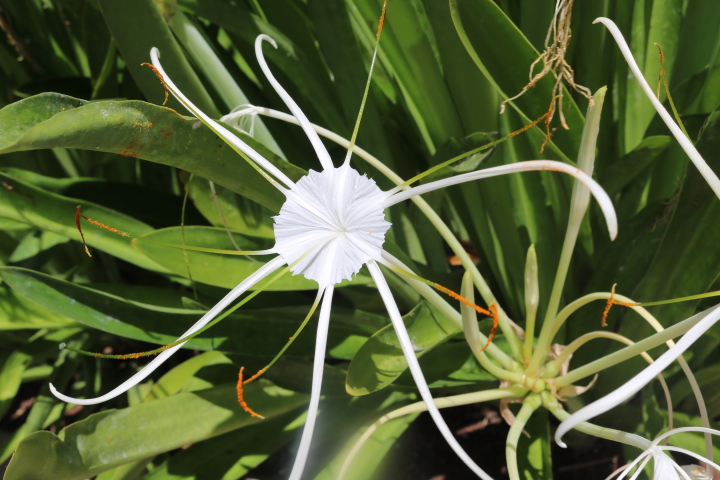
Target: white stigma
{"type": "Point", "coordinates": [336, 215]}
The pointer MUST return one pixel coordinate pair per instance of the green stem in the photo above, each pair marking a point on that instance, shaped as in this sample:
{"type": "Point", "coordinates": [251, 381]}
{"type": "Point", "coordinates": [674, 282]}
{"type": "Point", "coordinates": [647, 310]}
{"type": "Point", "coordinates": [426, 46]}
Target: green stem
{"type": "Point", "coordinates": [532, 298]}
{"type": "Point", "coordinates": [554, 407]}
{"type": "Point", "coordinates": [626, 353]}
{"type": "Point", "coordinates": [531, 403]}
{"type": "Point", "coordinates": [578, 207]}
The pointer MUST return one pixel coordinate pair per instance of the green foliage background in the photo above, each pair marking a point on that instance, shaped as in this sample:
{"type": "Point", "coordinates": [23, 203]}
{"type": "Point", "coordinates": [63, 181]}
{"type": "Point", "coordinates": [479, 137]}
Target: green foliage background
{"type": "Point", "coordinates": [102, 140]}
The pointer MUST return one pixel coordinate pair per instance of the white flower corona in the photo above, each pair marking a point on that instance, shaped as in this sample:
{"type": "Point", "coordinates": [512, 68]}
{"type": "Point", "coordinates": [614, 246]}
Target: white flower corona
{"type": "Point", "coordinates": [337, 215]}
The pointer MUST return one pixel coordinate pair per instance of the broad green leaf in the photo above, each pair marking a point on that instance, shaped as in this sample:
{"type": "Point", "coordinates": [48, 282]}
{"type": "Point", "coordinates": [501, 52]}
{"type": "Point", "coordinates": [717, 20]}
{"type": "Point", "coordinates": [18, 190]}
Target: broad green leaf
{"type": "Point", "coordinates": [18, 313]}
{"type": "Point", "coordinates": [173, 381]}
{"type": "Point", "coordinates": [229, 456]}
{"type": "Point", "coordinates": [11, 377]}
{"type": "Point", "coordinates": [215, 269]}
{"type": "Point", "coordinates": [623, 171]}
{"type": "Point", "coordinates": [45, 409]}
{"type": "Point", "coordinates": [258, 332]}
{"type": "Point", "coordinates": [36, 244]}
{"type": "Point", "coordinates": [137, 130]}
{"type": "Point", "coordinates": [115, 437]}
{"type": "Point", "coordinates": [238, 213]}
{"type": "Point", "coordinates": [39, 208]}
{"type": "Point", "coordinates": [380, 360]}
{"type": "Point", "coordinates": [450, 365]}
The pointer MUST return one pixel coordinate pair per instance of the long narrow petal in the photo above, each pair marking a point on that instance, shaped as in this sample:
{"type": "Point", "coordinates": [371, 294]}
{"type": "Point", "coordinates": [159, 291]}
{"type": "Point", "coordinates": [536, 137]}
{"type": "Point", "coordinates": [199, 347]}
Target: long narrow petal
{"type": "Point", "coordinates": [415, 370]}
{"type": "Point", "coordinates": [223, 132]}
{"type": "Point", "coordinates": [684, 142]}
{"type": "Point", "coordinates": [312, 135]}
{"type": "Point", "coordinates": [532, 165]}
{"type": "Point", "coordinates": [258, 275]}
{"type": "Point", "coordinates": [318, 366]}
{"type": "Point", "coordinates": [632, 386]}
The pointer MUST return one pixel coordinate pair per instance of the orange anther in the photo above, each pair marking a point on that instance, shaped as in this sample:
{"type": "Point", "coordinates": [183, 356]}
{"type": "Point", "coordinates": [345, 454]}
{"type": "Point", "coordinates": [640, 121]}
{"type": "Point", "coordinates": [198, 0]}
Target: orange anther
{"type": "Point", "coordinates": [496, 318]}
{"type": "Point", "coordinates": [461, 299]}
{"type": "Point", "coordinates": [159, 75]}
{"type": "Point", "coordinates": [77, 224]}
{"type": "Point", "coordinates": [382, 21]}
{"type": "Point", "coordinates": [259, 372]}
{"type": "Point", "coordinates": [79, 214]}
{"type": "Point", "coordinates": [610, 302]}
{"type": "Point", "coordinates": [240, 398]}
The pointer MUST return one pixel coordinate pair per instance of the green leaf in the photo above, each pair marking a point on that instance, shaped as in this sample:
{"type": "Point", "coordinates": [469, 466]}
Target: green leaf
{"type": "Point", "coordinates": [380, 360]}
{"type": "Point", "coordinates": [173, 381]}
{"type": "Point", "coordinates": [240, 214]}
{"type": "Point", "coordinates": [138, 130]}
{"type": "Point", "coordinates": [39, 208]}
{"type": "Point", "coordinates": [18, 313]}
{"type": "Point", "coordinates": [258, 332]}
{"type": "Point", "coordinates": [115, 437]}
{"type": "Point", "coordinates": [11, 377]}
{"type": "Point", "coordinates": [625, 170]}
{"type": "Point", "coordinates": [220, 457]}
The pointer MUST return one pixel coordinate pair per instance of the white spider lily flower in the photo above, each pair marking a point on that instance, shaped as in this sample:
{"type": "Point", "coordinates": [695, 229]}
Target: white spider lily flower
{"type": "Point", "coordinates": [710, 177]}
{"type": "Point", "coordinates": [330, 226]}
{"type": "Point", "coordinates": [705, 320]}
{"type": "Point", "coordinates": [665, 467]}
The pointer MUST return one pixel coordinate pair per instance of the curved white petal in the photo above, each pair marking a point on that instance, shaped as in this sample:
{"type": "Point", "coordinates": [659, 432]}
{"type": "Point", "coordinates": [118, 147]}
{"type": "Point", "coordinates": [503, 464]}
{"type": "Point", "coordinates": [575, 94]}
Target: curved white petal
{"type": "Point", "coordinates": [312, 135]}
{"type": "Point", "coordinates": [223, 132]}
{"type": "Point", "coordinates": [684, 142]}
{"type": "Point", "coordinates": [318, 366]}
{"type": "Point", "coordinates": [545, 165]}
{"type": "Point", "coordinates": [690, 453]}
{"type": "Point", "coordinates": [415, 370]}
{"type": "Point", "coordinates": [632, 386]}
{"type": "Point", "coordinates": [258, 275]}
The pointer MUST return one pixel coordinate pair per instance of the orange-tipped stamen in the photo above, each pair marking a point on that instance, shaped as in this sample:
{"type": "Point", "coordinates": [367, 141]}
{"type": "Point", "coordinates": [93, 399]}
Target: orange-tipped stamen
{"type": "Point", "coordinates": [127, 356]}
{"type": "Point", "coordinates": [82, 235]}
{"type": "Point", "coordinates": [610, 302]}
{"type": "Point", "coordinates": [78, 215]}
{"type": "Point", "coordinates": [259, 372]}
{"type": "Point", "coordinates": [491, 312]}
{"type": "Point", "coordinates": [461, 299]}
{"type": "Point", "coordinates": [162, 80]}
{"type": "Point", "coordinates": [240, 398]}
{"type": "Point", "coordinates": [381, 23]}
{"type": "Point", "coordinates": [496, 320]}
